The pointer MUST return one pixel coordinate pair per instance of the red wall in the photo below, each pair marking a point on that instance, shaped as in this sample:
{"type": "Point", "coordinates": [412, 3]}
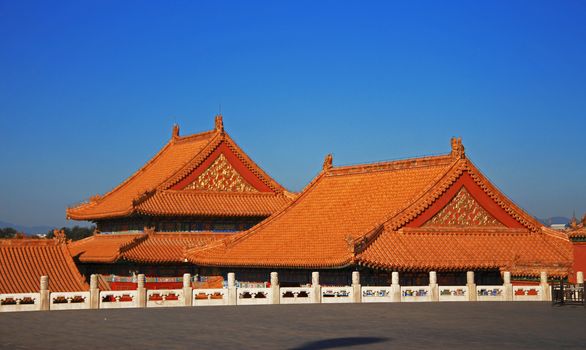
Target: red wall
{"type": "Point", "coordinates": [579, 259]}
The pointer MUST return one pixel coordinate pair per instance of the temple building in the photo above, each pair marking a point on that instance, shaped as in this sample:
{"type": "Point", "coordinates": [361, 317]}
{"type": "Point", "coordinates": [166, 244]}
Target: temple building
{"type": "Point", "coordinates": [196, 183]}
{"type": "Point", "coordinates": [436, 213]}
{"type": "Point", "coordinates": [197, 189]}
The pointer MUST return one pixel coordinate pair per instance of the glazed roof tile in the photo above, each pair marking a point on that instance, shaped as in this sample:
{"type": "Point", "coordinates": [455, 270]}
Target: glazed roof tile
{"type": "Point", "coordinates": [578, 232]}
{"type": "Point", "coordinates": [140, 247]}
{"type": "Point", "coordinates": [346, 209]}
{"type": "Point", "coordinates": [24, 261]}
{"type": "Point", "coordinates": [519, 251]}
{"type": "Point", "coordinates": [174, 162]}
{"type": "Point", "coordinates": [319, 228]}
{"type": "Point", "coordinates": [160, 248]}
{"type": "Point", "coordinates": [189, 202]}
{"type": "Point", "coordinates": [103, 248]}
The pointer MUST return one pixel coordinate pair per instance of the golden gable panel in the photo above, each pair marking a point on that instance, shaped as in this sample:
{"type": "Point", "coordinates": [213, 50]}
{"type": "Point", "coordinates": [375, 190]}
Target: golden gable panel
{"type": "Point", "coordinates": [221, 176]}
{"type": "Point", "coordinates": [463, 210]}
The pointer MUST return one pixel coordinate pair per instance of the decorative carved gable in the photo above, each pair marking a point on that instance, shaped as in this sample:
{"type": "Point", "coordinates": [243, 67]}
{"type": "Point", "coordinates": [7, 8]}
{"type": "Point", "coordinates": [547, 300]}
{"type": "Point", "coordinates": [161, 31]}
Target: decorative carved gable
{"type": "Point", "coordinates": [463, 210]}
{"type": "Point", "coordinates": [221, 176]}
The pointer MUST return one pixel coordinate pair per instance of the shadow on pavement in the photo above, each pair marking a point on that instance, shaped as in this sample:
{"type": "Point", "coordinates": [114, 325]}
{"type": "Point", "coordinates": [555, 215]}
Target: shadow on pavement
{"type": "Point", "coordinates": [340, 342]}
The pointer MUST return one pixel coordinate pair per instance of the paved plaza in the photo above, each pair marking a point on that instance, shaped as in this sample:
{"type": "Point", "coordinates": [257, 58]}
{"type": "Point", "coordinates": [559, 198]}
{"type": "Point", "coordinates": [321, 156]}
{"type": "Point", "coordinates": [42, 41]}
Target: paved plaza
{"type": "Point", "coordinates": [355, 326]}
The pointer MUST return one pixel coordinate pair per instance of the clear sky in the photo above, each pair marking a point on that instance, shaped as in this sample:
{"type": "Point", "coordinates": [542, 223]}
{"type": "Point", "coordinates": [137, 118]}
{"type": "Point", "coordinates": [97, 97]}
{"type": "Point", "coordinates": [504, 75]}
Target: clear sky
{"type": "Point", "coordinates": [89, 91]}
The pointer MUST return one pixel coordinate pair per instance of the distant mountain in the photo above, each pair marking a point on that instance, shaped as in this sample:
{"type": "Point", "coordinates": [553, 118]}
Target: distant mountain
{"type": "Point", "coordinates": [29, 230]}
{"type": "Point", "coordinates": [555, 220]}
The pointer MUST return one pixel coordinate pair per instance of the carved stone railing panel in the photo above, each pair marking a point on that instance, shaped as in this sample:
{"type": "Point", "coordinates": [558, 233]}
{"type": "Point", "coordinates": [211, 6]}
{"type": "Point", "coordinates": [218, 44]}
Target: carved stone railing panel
{"type": "Point", "coordinates": [453, 293]}
{"type": "Point", "coordinates": [337, 294]}
{"type": "Point", "coordinates": [526, 293]}
{"type": "Point", "coordinates": [296, 295]}
{"type": "Point", "coordinates": [210, 297]}
{"type": "Point", "coordinates": [20, 302]}
{"type": "Point", "coordinates": [69, 300]}
{"type": "Point", "coordinates": [253, 296]}
{"type": "Point", "coordinates": [165, 298]}
{"type": "Point", "coordinates": [415, 294]}
{"type": "Point", "coordinates": [118, 299]}
{"type": "Point", "coordinates": [376, 294]}
{"type": "Point", "coordinates": [490, 293]}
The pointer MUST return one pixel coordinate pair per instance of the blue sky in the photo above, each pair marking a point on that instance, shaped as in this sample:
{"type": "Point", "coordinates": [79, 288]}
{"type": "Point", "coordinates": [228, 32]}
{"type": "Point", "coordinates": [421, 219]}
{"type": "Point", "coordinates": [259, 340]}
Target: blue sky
{"type": "Point", "coordinates": [89, 91]}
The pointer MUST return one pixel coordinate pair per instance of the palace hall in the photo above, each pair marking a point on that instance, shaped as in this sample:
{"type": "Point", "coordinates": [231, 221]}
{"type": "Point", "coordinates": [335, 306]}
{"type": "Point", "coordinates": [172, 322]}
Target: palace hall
{"type": "Point", "coordinates": [202, 206]}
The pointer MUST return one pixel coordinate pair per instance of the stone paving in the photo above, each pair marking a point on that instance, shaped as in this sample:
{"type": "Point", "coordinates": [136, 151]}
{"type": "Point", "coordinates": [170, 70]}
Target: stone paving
{"type": "Point", "coordinates": [518, 325]}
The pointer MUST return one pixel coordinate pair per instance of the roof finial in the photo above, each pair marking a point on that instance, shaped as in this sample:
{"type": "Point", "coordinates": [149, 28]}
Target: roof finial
{"type": "Point", "coordinates": [574, 222]}
{"type": "Point", "coordinates": [175, 131]}
{"type": "Point", "coordinates": [59, 236]}
{"type": "Point", "coordinates": [328, 162]}
{"type": "Point", "coordinates": [584, 220]}
{"type": "Point", "coordinates": [219, 123]}
{"type": "Point", "coordinates": [457, 148]}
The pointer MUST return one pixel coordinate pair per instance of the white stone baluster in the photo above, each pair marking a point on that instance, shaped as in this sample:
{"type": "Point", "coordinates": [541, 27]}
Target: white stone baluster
{"type": "Point", "coordinates": [356, 287]}
{"type": "Point", "coordinates": [507, 286]}
{"type": "Point", "coordinates": [471, 286]}
{"type": "Point", "coordinates": [433, 286]}
{"type": "Point", "coordinates": [45, 298]}
{"type": "Point", "coordinates": [316, 287]}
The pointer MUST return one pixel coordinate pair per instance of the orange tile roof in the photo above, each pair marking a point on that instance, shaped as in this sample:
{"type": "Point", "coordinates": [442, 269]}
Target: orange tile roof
{"type": "Point", "coordinates": [160, 248]}
{"type": "Point", "coordinates": [578, 232]}
{"type": "Point", "coordinates": [319, 228]}
{"type": "Point", "coordinates": [190, 202]}
{"type": "Point", "coordinates": [103, 248]}
{"type": "Point", "coordinates": [174, 162]}
{"type": "Point", "coordinates": [345, 209]}
{"type": "Point", "coordinates": [519, 251]}
{"type": "Point", "coordinates": [145, 248]}
{"type": "Point", "coordinates": [24, 261]}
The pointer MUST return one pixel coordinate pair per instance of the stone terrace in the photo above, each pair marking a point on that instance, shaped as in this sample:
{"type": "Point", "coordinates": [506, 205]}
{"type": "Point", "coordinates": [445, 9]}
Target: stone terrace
{"type": "Point", "coordinates": [356, 326]}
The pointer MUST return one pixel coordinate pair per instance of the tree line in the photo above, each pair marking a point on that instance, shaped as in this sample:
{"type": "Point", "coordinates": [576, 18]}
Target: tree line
{"type": "Point", "coordinates": [73, 233]}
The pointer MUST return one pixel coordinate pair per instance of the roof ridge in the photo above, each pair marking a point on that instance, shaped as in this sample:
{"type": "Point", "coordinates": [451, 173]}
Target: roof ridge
{"type": "Point", "coordinates": [7, 242]}
{"type": "Point", "coordinates": [407, 163]}
{"type": "Point", "coordinates": [189, 192]}
{"type": "Point", "coordinates": [192, 137]}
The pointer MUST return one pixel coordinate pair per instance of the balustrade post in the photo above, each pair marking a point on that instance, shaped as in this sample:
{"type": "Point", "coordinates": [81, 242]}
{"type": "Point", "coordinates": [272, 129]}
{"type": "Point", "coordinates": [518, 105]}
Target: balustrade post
{"type": "Point", "coordinates": [356, 287]}
{"type": "Point", "coordinates": [275, 291]}
{"type": "Point", "coordinates": [94, 292]}
{"type": "Point", "coordinates": [45, 297]}
{"type": "Point", "coordinates": [232, 292]}
{"type": "Point", "coordinates": [315, 287]}
{"type": "Point", "coordinates": [544, 286]}
{"type": "Point", "coordinates": [507, 286]}
{"type": "Point", "coordinates": [471, 286]}
{"type": "Point", "coordinates": [395, 287]}
{"type": "Point", "coordinates": [433, 286]}
{"type": "Point", "coordinates": [141, 296]}
{"type": "Point", "coordinates": [187, 291]}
